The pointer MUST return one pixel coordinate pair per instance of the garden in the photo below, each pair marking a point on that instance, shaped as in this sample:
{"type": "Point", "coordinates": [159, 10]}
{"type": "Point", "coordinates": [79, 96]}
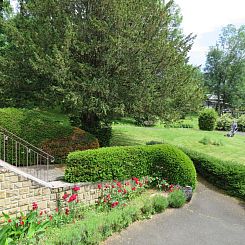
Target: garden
{"type": "Point", "coordinates": [106, 89]}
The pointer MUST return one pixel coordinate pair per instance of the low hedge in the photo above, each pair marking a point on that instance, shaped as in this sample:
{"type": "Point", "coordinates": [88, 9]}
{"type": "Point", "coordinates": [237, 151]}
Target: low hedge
{"type": "Point", "coordinates": [227, 175]}
{"type": "Point", "coordinates": [124, 162]}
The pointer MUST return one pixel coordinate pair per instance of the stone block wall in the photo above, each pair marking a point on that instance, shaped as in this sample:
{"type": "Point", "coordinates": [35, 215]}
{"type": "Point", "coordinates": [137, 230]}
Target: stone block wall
{"type": "Point", "coordinates": [18, 192]}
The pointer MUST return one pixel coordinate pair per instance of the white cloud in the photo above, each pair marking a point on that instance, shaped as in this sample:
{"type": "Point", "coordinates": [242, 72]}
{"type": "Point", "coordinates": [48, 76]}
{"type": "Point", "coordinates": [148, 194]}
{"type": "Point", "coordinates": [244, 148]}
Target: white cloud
{"type": "Point", "coordinates": [201, 16]}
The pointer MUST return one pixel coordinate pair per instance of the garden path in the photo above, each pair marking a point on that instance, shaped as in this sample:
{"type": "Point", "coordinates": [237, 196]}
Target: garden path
{"type": "Point", "coordinates": [211, 218]}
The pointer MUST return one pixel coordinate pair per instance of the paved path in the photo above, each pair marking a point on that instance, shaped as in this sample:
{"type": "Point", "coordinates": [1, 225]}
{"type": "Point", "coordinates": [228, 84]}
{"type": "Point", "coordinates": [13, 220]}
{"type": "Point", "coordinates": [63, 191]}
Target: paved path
{"type": "Point", "coordinates": [211, 218]}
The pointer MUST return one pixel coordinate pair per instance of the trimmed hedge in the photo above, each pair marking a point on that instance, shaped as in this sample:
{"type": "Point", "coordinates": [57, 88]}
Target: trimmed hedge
{"type": "Point", "coordinates": [78, 140]}
{"type": "Point", "coordinates": [207, 119]}
{"type": "Point", "coordinates": [50, 131]}
{"type": "Point", "coordinates": [124, 162]}
{"type": "Point", "coordinates": [33, 125]}
{"type": "Point", "coordinates": [227, 175]}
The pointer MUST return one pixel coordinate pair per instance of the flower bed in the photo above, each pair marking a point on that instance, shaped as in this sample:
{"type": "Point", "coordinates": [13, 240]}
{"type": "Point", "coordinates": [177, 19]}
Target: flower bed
{"type": "Point", "coordinates": [119, 204]}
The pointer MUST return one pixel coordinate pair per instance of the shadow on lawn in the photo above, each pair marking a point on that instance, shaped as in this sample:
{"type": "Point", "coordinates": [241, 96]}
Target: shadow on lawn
{"type": "Point", "coordinates": [121, 139]}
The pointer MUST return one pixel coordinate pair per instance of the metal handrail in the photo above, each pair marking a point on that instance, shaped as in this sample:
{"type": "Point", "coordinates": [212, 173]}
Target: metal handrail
{"type": "Point", "coordinates": [17, 151]}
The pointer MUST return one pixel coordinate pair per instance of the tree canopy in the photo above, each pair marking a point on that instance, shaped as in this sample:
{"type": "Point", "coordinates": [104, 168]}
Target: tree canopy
{"type": "Point", "coordinates": [225, 67]}
{"type": "Point", "coordinates": [97, 59]}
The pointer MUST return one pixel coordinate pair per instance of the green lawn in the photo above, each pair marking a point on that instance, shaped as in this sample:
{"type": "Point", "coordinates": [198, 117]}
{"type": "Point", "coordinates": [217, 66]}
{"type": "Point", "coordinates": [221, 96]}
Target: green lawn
{"type": "Point", "coordinates": [230, 148]}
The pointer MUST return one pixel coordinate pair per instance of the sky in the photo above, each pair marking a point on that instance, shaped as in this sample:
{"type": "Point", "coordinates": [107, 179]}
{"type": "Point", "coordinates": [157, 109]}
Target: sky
{"type": "Point", "coordinates": [205, 18]}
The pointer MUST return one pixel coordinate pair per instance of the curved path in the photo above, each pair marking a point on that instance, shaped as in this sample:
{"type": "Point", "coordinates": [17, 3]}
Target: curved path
{"type": "Point", "coordinates": [211, 218]}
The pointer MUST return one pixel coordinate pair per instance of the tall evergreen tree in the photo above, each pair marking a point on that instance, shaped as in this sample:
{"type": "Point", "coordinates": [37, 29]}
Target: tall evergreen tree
{"type": "Point", "coordinates": [97, 59]}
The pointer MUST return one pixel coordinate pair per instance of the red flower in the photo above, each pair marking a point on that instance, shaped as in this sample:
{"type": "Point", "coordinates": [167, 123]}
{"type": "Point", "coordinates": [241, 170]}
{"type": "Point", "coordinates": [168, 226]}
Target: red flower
{"type": "Point", "coordinates": [114, 181]}
{"type": "Point", "coordinates": [9, 220]}
{"type": "Point", "coordinates": [140, 184]}
{"type": "Point", "coordinates": [112, 186]}
{"type": "Point", "coordinates": [67, 211]}
{"type": "Point", "coordinates": [39, 222]}
{"type": "Point", "coordinates": [72, 198]}
{"type": "Point", "coordinates": [127, 183]}
{"type": "Point", "coordinates": [21, 222]}
{"type": "Point", "coordinates": [34, 206]}
{"type": "Point", "coordinates": [41, 213]}
{"type": "Point", "coordinates": [114, 204]}
{"type": "Point", "coordinates": [105, 200]}
{"type": "Point", "coordinates": [108, 197]}
{"type": "Point", "coordinates": [50, 217]}
{"type": "Point", "coordinates": [124, 191]}
{"type": "Point", "coordinates": [107, 186]}
{"type": "Point", "coordinates": [76, 188]}
{"type": "Point", "coordinates": [65, 196]}
{"type": "Point", "coordinates": [133, 188]}
{"type": "Point", "coordinates": [99, 186]}
{"type": "Point", "coordinates": [119, 190]}
{"type": "Point", "coordinates": [57, 210]}
{"type": "Point", "coordinates": [119, 184]}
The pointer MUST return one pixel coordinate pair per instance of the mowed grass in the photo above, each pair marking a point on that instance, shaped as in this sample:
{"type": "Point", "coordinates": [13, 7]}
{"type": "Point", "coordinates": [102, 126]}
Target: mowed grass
{"type": "Point", "coordinates": [228, 148]}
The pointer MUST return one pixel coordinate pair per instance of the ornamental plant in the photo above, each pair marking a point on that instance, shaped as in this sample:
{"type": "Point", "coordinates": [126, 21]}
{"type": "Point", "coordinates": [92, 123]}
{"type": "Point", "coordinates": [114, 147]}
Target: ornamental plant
{"type": "Point", "coordinates": [29, 227]}
{"type": "Point", "coordinates": [117, 194]}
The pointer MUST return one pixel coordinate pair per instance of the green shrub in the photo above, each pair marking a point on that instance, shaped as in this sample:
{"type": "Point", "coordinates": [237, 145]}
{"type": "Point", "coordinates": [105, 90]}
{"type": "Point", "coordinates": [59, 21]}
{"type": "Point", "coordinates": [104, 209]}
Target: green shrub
{"type": "Point", "coordinates": [50, 131]}
{"type": "Point", "coordinates": [147, 209]}
{"type": "Point", "coordinates": [176, 199]}
{"type": "Point", "coordinates": [227, 175]}
{"type": "Point", "coordinates": [207, 119]}
{"type": "Point", "coordinates": [124, 162]}
{"type": "Point", "coordinates": [241, 123]}
{"type": "Point", "coordinates": [207, 141]}
{"type": "Point", "coordinates": [160, 203]}
{"type": "Point", "coordinates": [224, 122]}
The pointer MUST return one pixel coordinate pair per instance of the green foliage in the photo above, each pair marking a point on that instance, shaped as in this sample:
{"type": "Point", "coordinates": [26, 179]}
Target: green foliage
{"type": "Point", "coordinates": [97, 226]}
{"type": "Point", "coordinates": [33, 125]}
{"type": "Point", "coordinates": [26, 228]}
{"type": "Point", "coordinates": [176, 199]}
{"type": "Point", "coordinates": [224, 122]}
{"type": "Point", "coordinates": [160, 203]}
{"type": "Point", "coordinates": [208, 141]}
{"type": "Point", "coordinates": [241, 123]}
{"type": "Point", "coordinates": [227, 175]}
{"type": "Point", "coordinates": [207, 119]}
{"type": "Point", "coordinates": [121, 59]}
{"type": "Point", "coordinates": [225, 65]}
{"type": "Point", "coordinates": [123, 162]}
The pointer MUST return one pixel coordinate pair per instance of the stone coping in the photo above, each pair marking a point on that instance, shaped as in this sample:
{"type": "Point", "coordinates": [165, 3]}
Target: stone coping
{"type": "Point", "coordinates": [5, 167]}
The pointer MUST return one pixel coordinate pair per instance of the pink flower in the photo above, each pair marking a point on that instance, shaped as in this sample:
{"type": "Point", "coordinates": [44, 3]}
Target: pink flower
{"type": "Point", "coordinates": [127, 183]}
{"type": "Point", "coordinates": [99, 186]}
{"type": "Point", "coordinates": [34, 206]}
{"type": "Point", "coordinates": [107, 186]}
{"type": "Point", "coordinates": [76, 188]}
{"type": "Point", "coordinates": [57, 210]}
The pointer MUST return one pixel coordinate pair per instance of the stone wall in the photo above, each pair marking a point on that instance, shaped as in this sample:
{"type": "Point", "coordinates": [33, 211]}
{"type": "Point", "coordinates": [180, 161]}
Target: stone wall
{"type": "Point", "coordinates": [19, 190]}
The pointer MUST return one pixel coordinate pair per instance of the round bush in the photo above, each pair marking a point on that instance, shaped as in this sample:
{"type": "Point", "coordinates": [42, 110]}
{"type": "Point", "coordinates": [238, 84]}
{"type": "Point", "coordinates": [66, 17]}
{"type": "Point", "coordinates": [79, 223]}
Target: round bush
{"type": "Point", "coordinates": [160, 203]}
{"type": "Point", "coordinates": [124, 162]}
{"type": "Point", "coordinates": [207, 119]}
{"type": "Point", "coordinates": [241, 123]}
{"type": "Point", "coordinates": [224, 122]}
{"type": "Point", "coordinates": [176, 199]}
